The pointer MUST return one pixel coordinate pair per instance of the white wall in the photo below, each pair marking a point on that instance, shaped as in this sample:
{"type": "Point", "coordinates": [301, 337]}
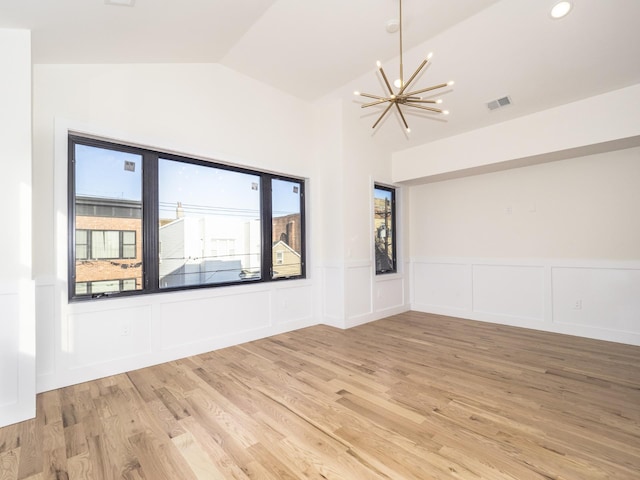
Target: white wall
{"type": "Point", "coordinates": [554, 246]}
{"type": "Point", "coordinates": [190, 109]}
{"type": "Point", "coordinates": [368, 296]}
{"type": "Point", "coordinates": [596, 124]}
{"type": "Point", "coordinates": [17, 316]}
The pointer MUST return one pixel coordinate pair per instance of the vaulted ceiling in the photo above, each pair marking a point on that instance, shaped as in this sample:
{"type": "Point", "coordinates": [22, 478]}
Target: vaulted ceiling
{"type": "Point", "coordinates": [312, 49]}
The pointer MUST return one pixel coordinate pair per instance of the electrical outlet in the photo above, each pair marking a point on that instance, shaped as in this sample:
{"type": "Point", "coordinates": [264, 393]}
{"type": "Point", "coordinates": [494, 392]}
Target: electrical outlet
{"type": "Point", "coordinates": [577, 305]}
{"type": "Point", "coordinates": [125, 330]}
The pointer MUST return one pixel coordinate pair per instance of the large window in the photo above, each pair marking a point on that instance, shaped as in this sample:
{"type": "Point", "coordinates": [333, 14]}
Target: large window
{"type": "Point", "coordinates": [143, 221]}
{"type": "Point", "coordinates": [384, 228]}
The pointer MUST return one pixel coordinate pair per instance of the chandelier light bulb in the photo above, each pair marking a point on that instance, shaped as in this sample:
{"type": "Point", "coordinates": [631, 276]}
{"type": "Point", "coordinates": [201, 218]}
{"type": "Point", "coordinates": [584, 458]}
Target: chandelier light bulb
{"type": "Point", "coordinates": [445, 112]}
{"type": "Point", "coordinates": [450, 82]}
{"type": "Point", "coordinates": [430, 55]}
{"type": "Point", "coordinates": [397, 83]}
{"type": "Point", "coordinates": [378, 64]}
{"type": "Point", "coordinates": [356, 93]}
{"type": "Point", "coordinates": [439, 100]}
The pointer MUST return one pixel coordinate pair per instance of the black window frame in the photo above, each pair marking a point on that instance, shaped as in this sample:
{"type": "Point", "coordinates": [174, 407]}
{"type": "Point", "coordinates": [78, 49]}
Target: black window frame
{"type": "Point", "coordinates": [150, 218]}
{"type": "Point", "coordinates": [380, 269]}
{"type": "Point", "coordinates": [89, 284]}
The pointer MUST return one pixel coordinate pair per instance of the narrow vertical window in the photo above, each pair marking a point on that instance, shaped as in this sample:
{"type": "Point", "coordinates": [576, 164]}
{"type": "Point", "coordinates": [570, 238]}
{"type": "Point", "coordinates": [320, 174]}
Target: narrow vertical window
{"type": "Point", "coordinates": [107, 203]}
{"type": "Point", "coordinates": [384, 228]}
{"type": "Point", "coordinates": [286, 228]}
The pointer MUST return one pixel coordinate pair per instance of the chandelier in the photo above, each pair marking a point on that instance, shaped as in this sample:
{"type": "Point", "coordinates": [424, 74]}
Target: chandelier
{"type": "Point", "coordinates": [404, 96]}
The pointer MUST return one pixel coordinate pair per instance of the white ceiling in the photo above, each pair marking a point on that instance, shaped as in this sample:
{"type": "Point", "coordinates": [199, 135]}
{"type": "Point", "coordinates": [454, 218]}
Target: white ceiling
{"type": "Point", "coordinates": [311, 49]}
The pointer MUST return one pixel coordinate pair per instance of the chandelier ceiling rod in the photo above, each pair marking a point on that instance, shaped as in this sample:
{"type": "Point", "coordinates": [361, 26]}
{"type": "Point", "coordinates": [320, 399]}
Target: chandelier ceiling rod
{"type": "Point", "coordinates": [400, 97]}
{"type": "Point", "coordinates": [401, 65]}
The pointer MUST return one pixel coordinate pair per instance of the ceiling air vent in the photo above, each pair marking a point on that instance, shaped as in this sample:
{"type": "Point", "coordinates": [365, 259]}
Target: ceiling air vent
{"type": "Point", "coordinates": [499, 103]}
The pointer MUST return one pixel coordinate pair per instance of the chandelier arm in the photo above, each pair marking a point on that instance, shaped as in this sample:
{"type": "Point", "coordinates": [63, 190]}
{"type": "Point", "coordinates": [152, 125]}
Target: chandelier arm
{"type": "Point", "coordinates": [382, 116]}
{"type": "Point", "coordinates": [431, 109]}
{"type": "Point", "coordinates": [418, 100]}
{"type": "Point", "coordinates": [377, 97]}
{"type": "Point", "coordinates": [415, 74]}
{"type": "Point", "coordinates": [386, 80]}
{"type": "Point", "coordinates": [377, 102]}
{"type": "Point", "coordinates": [404, 120]}
{"type": "Point", "coordinates": [415, 92]}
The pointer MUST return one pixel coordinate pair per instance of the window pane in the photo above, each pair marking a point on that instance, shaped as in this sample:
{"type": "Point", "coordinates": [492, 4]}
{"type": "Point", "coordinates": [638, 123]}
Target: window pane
{"type": "Point", "coordinates": [108, 200]}
{"type": "Point", "coordinates": [105, 286]}
{"type": "Point", "coordinates": [384, 226]}
{"type": "Point", "coordinates": [286, 228]}
{"type": "Point", "coordinates": [210, 228]}
{"type": "Point", "coordinates": [81, 245]}
{"type": "Point", "coordinates": [128, 244]}
{"type": "Point", "coordinates": [81, 288]}
{"type": "Point", "coordinates": [105, 245]}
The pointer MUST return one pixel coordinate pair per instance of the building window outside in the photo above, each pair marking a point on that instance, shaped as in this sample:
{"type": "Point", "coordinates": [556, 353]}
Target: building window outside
{"type": "Point", "coordinates": [384, 228]}
{"type": "Point", "coordinates": [105, 244]}
{"type": "Point", "coordinates": [105, 286]}
{"type": "Point", "coordinates": [203, 223]}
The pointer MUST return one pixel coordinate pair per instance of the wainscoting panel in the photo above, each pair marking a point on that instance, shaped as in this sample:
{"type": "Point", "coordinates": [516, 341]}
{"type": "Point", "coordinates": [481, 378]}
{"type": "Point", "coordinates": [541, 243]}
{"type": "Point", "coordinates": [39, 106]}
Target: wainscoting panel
{"type": "Point", "coordinates": [333, 295]}
{"type": "Point", "coordinates": [196, 321]}
{"type": "Point", "coordinates": [509, 290]}
{"type": "Point", "coordinates": [88, 340]}
{"type": "Point", "coordinates": [358, 290]}
{"type": "Point", "coordinates": [108, 335]}
{"type": "Point", "coordinates": [292, 304]}
{"type": "Point", "coordinates": [9, 347]}
{"type": "Point", "coordinates": [17, 352]}
{"type": "Point", "coordinates": [441, 285]}
{"type": "Point", "coordinates": [388, 292]}
{"type": "Point", "coordinates": [588, 298]}
{"type": "Point", "coordinates": [603, 298]}
{"type": "Point", "coordinates": [45, 328]}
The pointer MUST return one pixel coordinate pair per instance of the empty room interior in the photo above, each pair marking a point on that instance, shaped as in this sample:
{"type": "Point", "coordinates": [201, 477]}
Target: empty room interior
{"type": "Point", "coordinates": [337, 239]}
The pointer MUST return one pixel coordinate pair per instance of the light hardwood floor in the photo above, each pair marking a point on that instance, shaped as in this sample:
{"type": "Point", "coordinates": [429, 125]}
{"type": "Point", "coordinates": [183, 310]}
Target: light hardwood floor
{"type": "Point", "coordinates": [413, 396]}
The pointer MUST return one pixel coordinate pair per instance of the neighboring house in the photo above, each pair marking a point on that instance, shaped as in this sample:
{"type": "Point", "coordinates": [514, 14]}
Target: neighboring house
{"type": "Point", "coordinates": [108, 245]}
{"type": "Point", "coordinates": [209, 249]}
{"type": "Point", "coordinates": [286, 261]}
{"type": "Point", "coordinates": [287, 229]}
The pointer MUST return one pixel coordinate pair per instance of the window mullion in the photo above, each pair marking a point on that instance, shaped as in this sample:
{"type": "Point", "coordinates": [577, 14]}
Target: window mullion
{"type": "Point", "coordinates": [150, 223]}
{"type": "Point", "coordinates": [267, 228]}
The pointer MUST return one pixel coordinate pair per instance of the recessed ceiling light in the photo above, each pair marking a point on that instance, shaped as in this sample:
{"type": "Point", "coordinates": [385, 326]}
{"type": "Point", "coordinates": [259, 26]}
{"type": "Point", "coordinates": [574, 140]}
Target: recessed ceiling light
{"type": "Point", "coordinates": [561, 9]}
{"type": "Point", "coordinates": [120, 3]}
{"type": "Point", "coordinates": [393, 25]}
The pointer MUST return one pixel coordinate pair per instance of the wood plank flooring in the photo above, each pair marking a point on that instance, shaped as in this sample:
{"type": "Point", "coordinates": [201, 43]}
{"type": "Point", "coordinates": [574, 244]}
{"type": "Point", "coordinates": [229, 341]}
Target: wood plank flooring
{"type": "Point", "coordinates": [414, 396]}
